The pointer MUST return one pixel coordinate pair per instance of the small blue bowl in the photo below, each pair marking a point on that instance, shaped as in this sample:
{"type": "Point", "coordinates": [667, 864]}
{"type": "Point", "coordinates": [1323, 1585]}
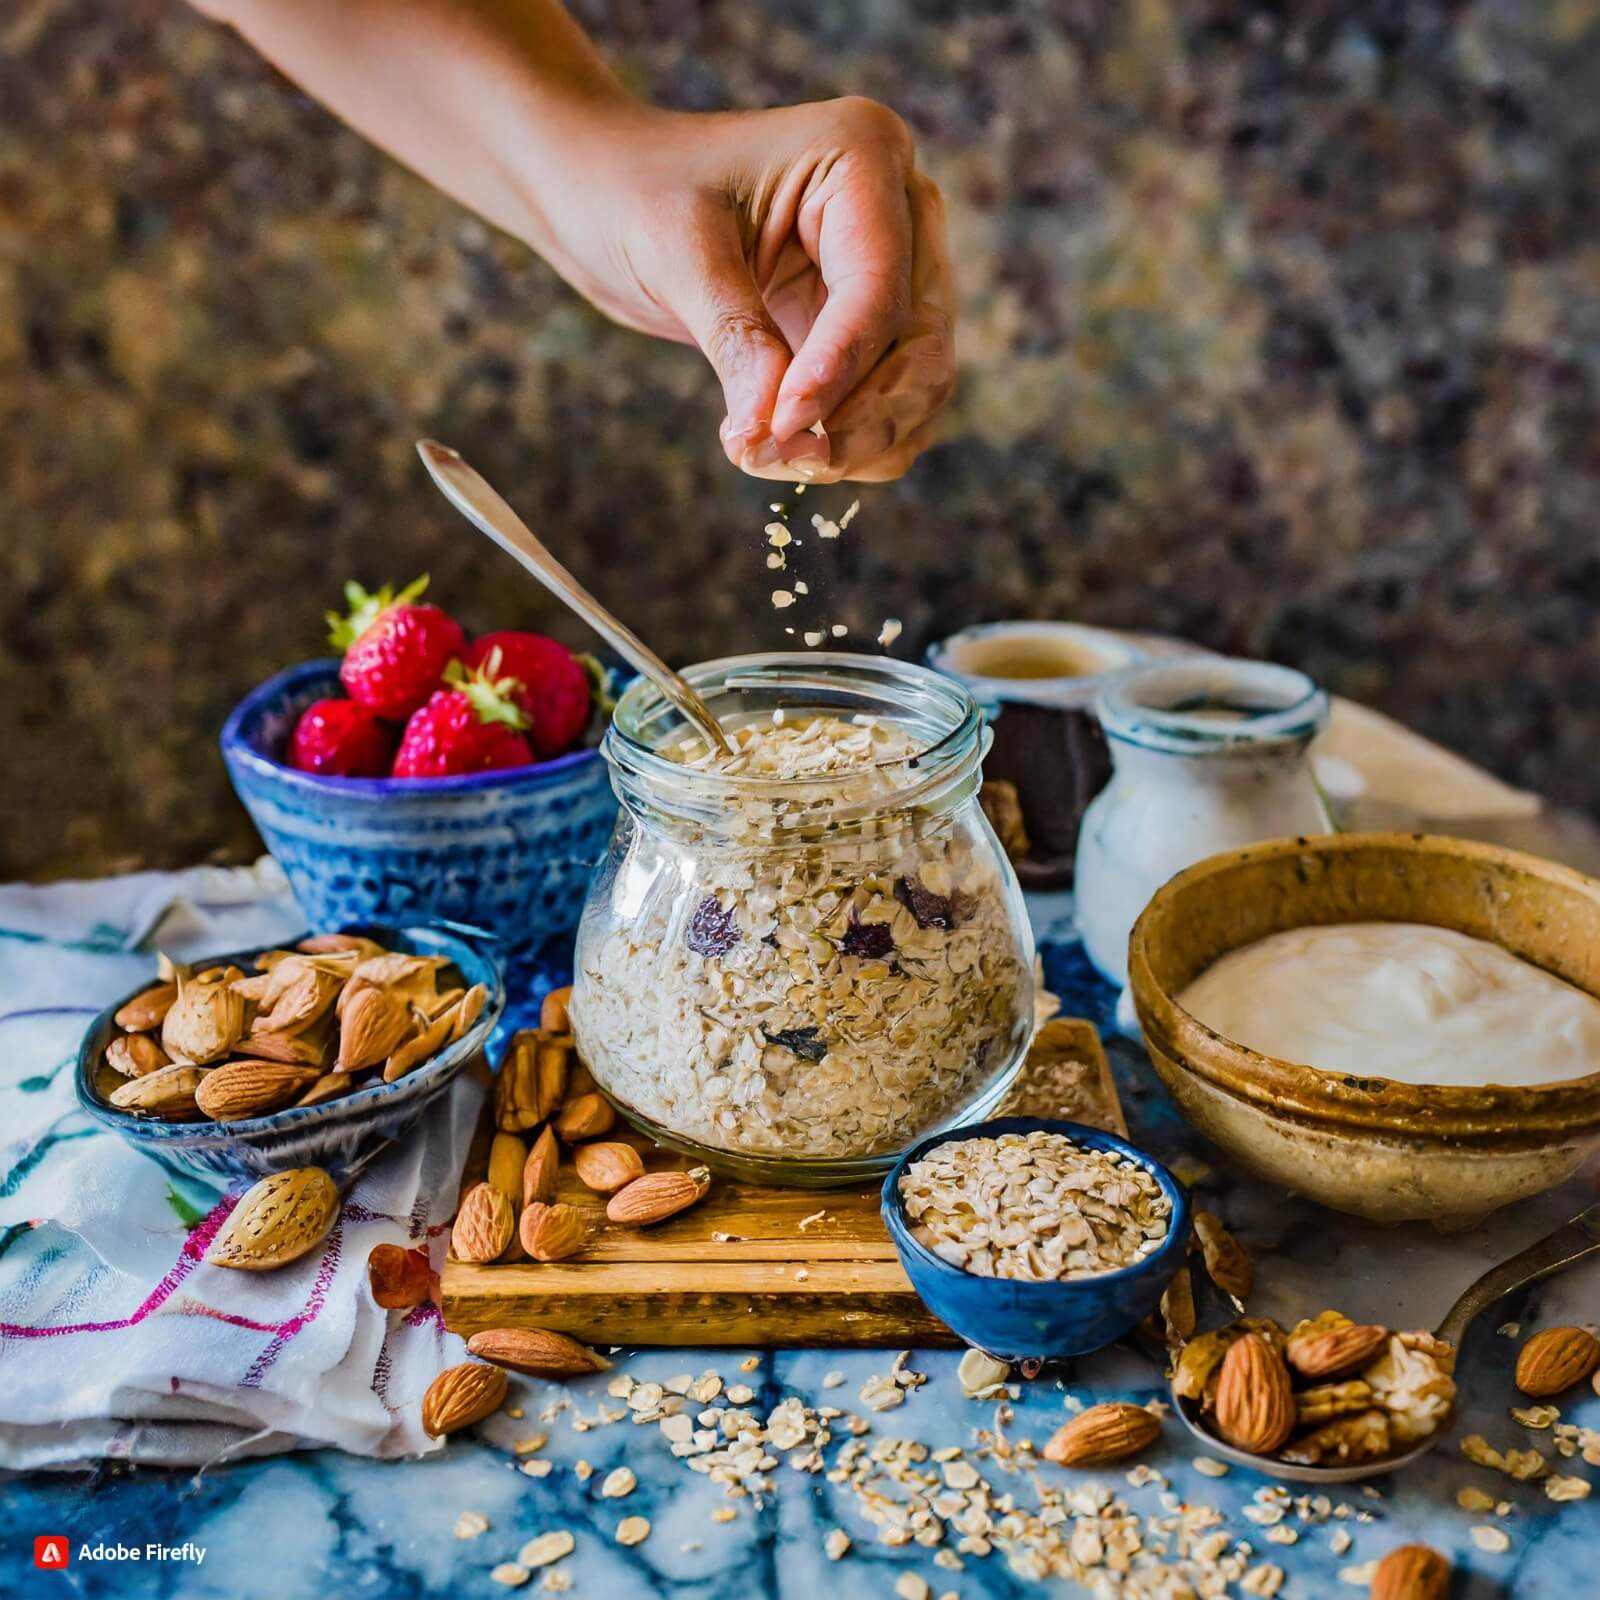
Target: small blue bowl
{"type": "Point", "coordinates": [341, 1136]}
{"type": "Point", "coordinates": [1017, 1321]}
{"type": "Point", "coordinates": [510, 851]}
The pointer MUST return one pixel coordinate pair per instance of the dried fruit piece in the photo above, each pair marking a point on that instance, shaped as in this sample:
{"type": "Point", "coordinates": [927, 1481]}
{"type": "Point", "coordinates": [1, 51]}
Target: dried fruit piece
{"type": "Point", "coordinates": [167, 1092]}
{"type": "Point", "coordinates": [871, 941]}
{"type": "Point", "coordinates": [483, 1226]}
{"type": "Point", "coordinates": [206, 1019]}
{"type": "Point", "coordinates": [1556, 1359]}
{"type": "Point", "coordinates": [930, 910]}
{"type": "Point", "coordinates": [657, 1196]}
{"type": "Point", "coordinates": [1103, 1433]}
{"type": "Point", "coordinates": [1336, 1351]}
{"type": "Point", "coordinates": [586, 1117]}
{"type": "Point", "coordinates": [1324, 1401]}
{"type": "Point", "coordinates": [553, 1013]}
{"type": "Point", "coordinates": [607, 1165]}
{"type": "Point", "coordinates": [461, 1396]}
{"type": "Point", "coordinates": [536, 1351]}
{"type": "Point", "coordinates": [1177, 1307]}
{"type": "Point", "coordinates": [1255, 1401]}
{"type": "Point", "coordinates": [373, 1025]}
{"type": "Point", "coordinates": [1412, 1572]}
{"type": "Point", "coordinates": [1365, 1436]}
{"type": "Point", "coordinates": [1225, 1257]}
{"type": "Point", "coordinates": [399, 1278]}
{"type": "Point", "coordinates": [147, 1009]}
{"type": "Point", "coordinates": [712, 931]}
{"type": "Point", "coordinates": [278, 1221]}
{"type": "Point", "coordinates": [247, 1088]}
{"type": "Point", "coordinates": [135, 1054]}
{"type": "Point", "coordinates": [539, 1173]}
{"type": "Point", "coordinates": [552, 1233]}
{"type": "Point", "coordinates": [807, 1043]}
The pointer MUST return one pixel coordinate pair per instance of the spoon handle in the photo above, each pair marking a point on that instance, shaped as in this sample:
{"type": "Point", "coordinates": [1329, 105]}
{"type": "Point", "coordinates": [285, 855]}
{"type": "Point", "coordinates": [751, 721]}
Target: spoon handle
{"type": "Point", "coordinates": [471, 494]}
{"type": "Point", "coordinates": [1570, 1242]}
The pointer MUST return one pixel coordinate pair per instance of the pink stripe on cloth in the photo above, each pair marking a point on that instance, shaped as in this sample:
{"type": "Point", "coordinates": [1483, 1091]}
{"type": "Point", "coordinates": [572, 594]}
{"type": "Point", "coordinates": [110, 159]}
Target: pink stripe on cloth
{"type": "Point", "coordinates": [315, 1301]}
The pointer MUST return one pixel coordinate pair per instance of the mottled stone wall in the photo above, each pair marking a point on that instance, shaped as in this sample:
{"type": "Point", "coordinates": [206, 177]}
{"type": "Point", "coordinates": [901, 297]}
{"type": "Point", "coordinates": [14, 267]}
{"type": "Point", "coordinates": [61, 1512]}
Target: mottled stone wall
{"type": "Point", "coordinates": [1282, 335]}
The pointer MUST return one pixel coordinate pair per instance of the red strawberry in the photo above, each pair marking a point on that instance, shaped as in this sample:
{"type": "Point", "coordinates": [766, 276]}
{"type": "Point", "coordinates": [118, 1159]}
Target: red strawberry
{"type": "Point", "coordinates": [395, 651]}
{"type": "Point", "coordinates": [555, 686]}
{"type": "Point", "coordinates": [473, 726]}
{"type": "Point", "coordinates": [340, 739]}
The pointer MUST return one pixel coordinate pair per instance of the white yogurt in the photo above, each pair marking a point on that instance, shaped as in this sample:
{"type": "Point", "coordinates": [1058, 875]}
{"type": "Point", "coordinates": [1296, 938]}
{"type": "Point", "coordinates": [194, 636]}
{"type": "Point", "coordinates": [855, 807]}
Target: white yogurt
{"type": "Point", "coordinates": [1400, 1000]}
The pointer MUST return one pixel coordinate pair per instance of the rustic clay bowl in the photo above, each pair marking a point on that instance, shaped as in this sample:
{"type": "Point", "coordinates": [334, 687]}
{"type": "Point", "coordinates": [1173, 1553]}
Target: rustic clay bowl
{"type": "Point", "coordinates": [1388, 1151]}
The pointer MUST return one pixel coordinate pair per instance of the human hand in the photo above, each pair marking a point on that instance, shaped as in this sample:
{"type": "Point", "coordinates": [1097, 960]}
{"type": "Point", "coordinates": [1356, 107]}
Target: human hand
{"type": "Point", "coordinates": [799, 248]}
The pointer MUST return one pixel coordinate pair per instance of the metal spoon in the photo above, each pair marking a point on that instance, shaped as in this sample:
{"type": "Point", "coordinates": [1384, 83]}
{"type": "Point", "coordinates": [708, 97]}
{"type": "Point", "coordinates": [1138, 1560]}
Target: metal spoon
{"type": "Point", "coordinates": [1570, 1242]}
{"type": "Point", "coordinates": [477, 501]}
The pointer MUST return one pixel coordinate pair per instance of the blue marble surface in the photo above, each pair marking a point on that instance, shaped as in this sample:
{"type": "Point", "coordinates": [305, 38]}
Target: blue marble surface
{"type": "Point", "coordinates": [323, 1523]}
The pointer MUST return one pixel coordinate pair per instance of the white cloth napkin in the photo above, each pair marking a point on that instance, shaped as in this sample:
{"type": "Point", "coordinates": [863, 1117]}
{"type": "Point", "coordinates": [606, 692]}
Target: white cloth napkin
{"type": "Point", "coordinates": [116, 1339]}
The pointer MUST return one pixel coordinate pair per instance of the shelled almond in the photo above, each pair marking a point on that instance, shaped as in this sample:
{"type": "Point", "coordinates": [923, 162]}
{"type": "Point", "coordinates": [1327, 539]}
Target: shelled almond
{"type": "Point", "coordinates": [307, 1026]}
{"type": "Point", "coordinates": [1555, 1359]}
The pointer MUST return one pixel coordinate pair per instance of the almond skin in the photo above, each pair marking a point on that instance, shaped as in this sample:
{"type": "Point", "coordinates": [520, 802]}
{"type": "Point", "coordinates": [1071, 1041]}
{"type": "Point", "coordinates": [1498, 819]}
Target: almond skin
{"type": "Point", "coordinates": [278, 1221]}
{"type": "Point", "coordinates": [147, 1010]}
{"type": "Point", "coordinates": [539, 1172]}
{"type": "Point", "coordinates": [536, 1351]}
{"type": "Point", "coordinates": [484, 1224]}
{"type": "Point", "coordinates": [586, 1117]}
{"type": "Point", "coordinates": [1103, 1433]}
{"type": "Point", "coordinates": [251, 1088]}
{"type": "Point", "coordinates": [134, 1054]}
{"type": "Point", "coordinates": [1337, 1351]}
{"type": "Point", "coordinates": [1255, 1403]}
{"type": "Point", "coordinates": [373, 1024]}
{"type": "Point", "coordinates": [657, 1196]}
{"type": "Point", "coordinates": [552, 1233]}
{"type": "Point", "coordinates": [460, 1396]}
{"type": "Point", "coordinates": [1412, 1572]}
{"type": "Point", "coordinates": [1224, 1256]}
{"type": "Point", "coordinates": [607, 1165]}
{"type": "Point", "coordinates": [1556, 1359]}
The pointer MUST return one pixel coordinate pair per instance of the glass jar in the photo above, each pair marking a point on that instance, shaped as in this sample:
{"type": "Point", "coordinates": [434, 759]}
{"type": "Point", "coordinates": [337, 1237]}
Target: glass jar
{"type": "Point", "coordinates": [796, 978]}
{"type": "Point", "coordinates": [1207, 754]}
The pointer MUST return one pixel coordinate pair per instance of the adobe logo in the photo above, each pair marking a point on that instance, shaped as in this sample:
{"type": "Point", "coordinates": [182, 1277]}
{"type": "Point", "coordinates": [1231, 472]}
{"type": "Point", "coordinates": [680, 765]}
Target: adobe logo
{"type": "Point", "coordinates": [51, 1551]}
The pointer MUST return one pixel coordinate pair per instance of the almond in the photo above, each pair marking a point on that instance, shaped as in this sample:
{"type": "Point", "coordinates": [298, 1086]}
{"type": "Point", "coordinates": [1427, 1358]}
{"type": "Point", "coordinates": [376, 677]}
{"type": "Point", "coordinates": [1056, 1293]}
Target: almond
{"type": "Point", "coordinates": [251, 1088]}
{"type": "Point", "coordinates": [539, 1173]}
{"type": "Point", "coordinates": [1412, 1572]}
{"type": "Point", "coordinates": [467, 1009]}
{"type": "Point", "coordinates": [483, 1226]}
{"type": "Point", "coordinates": [1337, 1351]}
{"type": "Point", "coordinates": [1103, 1433]}
{"type": "Point", "coordinates": [330, 1086]}
{"type": "Point", "coordinates": [420, 1047]}
{"type": "Point", "coordinates": [134, 1054]}
{"type": "Point", "coordinates": [1255, 1403]}
{"type": "Point", "coordinates": [278, 1221]}
{"type": "Point", "coordinates": [552, 1233]}
{"type": "Point", "coordinates": [167, 1092]}
{"type": "Point", "coordinates": [536, 1351]}
{"type": "Point", "coordinates": [1225, 1257]}
{"type": "Point", "coordinates": [297, 992]}
{"type": "Point", "coordinates": [328, 944]}
{"type": "Point", "coordinates": [399, 1278]}
{"type": "Point", "coordinates": [206, 1019]}
{"type": "Point", "coordinates": [507, 1157]}
{"type": "Point", "coordinates": [1556, 1359]}
{"type": "Point", "coordinates": [148, 1009]}
{"type": "Point", "coordinates": [587, 1117]}
{"type": "Point", "coordinates": [553, 1014]}
{"type": "Point", "coordinates": [531, 1081]}
{"type": "Point", "coordinates": [657, 1196]}
{"type": "Point", "coordinates": [607, 1165]}
{"type": "Point", "coordinates": [374, 1024]}
{"type": "Point", "coordinates": [312, 1047]}
{"type": "Point", "coordinates": [460, 1396]}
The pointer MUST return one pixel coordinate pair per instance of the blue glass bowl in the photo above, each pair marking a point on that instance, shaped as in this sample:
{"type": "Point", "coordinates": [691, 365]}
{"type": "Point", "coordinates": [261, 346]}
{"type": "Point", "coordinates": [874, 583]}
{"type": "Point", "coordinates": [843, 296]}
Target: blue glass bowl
{"type": "Point", "coordinates": [1018, 1321]}
{"type": "Point", "coordinates": [341, 1136]}
{"type": "Point", "coordinates": [509, 851]}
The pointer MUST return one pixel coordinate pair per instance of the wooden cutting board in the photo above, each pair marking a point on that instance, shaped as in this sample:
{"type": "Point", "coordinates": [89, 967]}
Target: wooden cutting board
{"type": "Point", "coordinates": [753, 1265]}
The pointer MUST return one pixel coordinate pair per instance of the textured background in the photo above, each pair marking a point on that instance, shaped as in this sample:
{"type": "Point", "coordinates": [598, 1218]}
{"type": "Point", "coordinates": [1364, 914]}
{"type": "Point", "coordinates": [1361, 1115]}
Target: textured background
{"type": "Point", "coordinates": [1284, 335]}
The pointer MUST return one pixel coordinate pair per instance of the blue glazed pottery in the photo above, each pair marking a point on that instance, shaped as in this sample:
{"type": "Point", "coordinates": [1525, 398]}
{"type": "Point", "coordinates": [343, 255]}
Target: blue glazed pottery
{"type": "Point", "coordinates": [509, 851]}
{"type": "Point", "coordinates": [1016, 1320]}
{"type": "Point", "coordinates": [341, 1136]}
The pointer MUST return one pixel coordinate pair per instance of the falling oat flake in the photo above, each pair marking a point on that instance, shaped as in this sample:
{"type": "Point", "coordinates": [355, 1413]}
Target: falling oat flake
{"type": "Point", "coordinates": [889, 632]}
{"type": "Point", "coordinates": [781, 598]}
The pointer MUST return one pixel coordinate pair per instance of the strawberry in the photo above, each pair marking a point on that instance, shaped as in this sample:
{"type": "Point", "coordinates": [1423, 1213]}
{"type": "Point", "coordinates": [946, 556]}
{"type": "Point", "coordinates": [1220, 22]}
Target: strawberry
{"type": "Point", "coordinates": [475, 725]}
{"type": "Point", "coordinates": [340, 739]}
{"type": "Point", "coordinates": [395, 651]}
{"type": "Point", "coordinates": [555, 686]}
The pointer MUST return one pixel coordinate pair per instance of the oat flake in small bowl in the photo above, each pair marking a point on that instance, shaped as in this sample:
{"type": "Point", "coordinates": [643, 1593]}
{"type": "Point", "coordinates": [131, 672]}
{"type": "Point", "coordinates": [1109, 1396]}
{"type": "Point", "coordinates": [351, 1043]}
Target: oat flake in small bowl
{"type": "Point", "coordinates": [1036, 1238]}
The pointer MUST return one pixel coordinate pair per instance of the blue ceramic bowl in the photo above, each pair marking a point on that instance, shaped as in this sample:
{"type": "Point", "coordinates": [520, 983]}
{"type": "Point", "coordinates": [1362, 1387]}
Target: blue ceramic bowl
{"type": "Point", "coordinates": [341, 1136]}
{"type": "Point", "coordinates": [508, 851]}
{"type": "Point", "coordinates": [1017, 1321]}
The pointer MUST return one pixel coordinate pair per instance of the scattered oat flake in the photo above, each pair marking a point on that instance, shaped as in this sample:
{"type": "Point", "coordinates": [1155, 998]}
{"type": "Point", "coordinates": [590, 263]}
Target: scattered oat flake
{"type": "Point", "coordinates": [1265, 1580]}
{"type": "Point", "coordinates": [849, 514]}
{"type": "Point", "coordinates": [1339, 1541]}
{"type": "Point", "coordinates": [812, 1220]}
{"type": "Point", "coordinates": [909, 1586]}
{"type": "Point", "coordinates": [1509, 1330]}
{"type": "Point", "coordinates": [619, 1481]}
{"type": "Point", "coordinates": [547, 1547]}
{"type": "Point", "coordinates": [778, 534]}
{"type": "Point", "coordinates": [836, 1543]}
{"type": "Point", "coordinates": [1535, 1416]}
{"type": "Point", "coordinates": [750, 1363]}
{"type": "Point", "coordinates": [802, 587]}
{"type": "Point", "coordinates": [1493, 1541]}
{"type": "Point", "coordinates": [812, 637]}
{"type": "Point", "coordinates": [633, 1530]}
{"type": "Point", "coordinates": [775, 561]}
{"type": "Point", "coordinates": [723, 1514]}
{"type": "Point", "coordinates": [1358, 1577]}
{"type": "Point", "coordinates": [471, 1525]}
{"type": "Point", "coordinates": [740, 1394]}
{"type": "Point", "coordinates": [1557, 1487]}
{"type": "Point", "coordinates": [510, 1574]}
{"type": "Point", "coordinates": [583, 1470]}
{"type": "Point", "coordinates": [839, 630]}
{"type": "Point", "coordinates": [781, 598]}
{"type": "Point", "coordinates": [890, 631]}
{"type": "Point", "coordinates": [537, 1469]}
{"type": "Point", "coordinates": [1471, 1498]}
{"type": "Point", "coordinates": [534, 1441]}
{"type": "Point", "coordinates": [833, 1380]}
{"type": "Point", "coordinates": [556, 1581]}
{"type": "Point", "coordinates": [1210, 1467]}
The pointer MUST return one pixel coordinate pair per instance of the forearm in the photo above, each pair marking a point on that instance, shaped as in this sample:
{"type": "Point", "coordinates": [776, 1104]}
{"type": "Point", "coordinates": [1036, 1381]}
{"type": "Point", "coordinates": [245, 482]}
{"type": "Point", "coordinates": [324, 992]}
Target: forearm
{"type": "Point", "coordinates": [497, 102]}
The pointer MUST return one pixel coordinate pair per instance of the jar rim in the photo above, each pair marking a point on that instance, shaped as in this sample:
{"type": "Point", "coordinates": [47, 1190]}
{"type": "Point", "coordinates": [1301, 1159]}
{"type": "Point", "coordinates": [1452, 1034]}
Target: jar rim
{"type": "Point", "coordinates": [1170, 706]}
{"type": "Point", "coordinates": [900, 689]}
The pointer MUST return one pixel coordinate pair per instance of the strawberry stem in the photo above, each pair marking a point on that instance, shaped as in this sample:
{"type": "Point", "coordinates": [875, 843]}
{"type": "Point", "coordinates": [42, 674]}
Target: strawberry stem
{"type": "Point", "coordinates": [365, 608]}
{"type": "Point", "coordinates": [491, 697]}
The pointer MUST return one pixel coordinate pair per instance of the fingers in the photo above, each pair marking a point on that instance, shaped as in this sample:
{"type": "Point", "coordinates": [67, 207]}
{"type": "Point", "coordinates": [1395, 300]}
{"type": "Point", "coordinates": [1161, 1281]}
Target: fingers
{"type": "Point", "coordinates": [863, 249]}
